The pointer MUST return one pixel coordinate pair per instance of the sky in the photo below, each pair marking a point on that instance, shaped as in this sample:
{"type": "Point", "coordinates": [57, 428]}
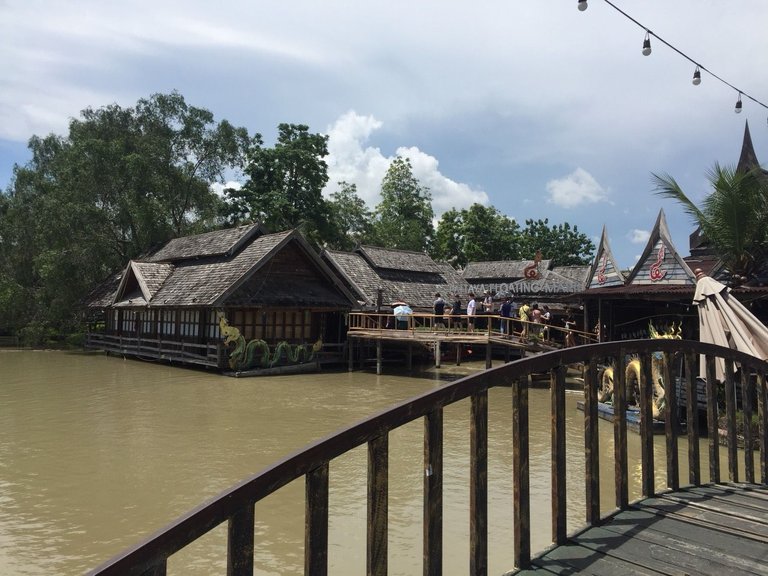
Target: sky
{"type": "Point", "coordinates": [536, 108]}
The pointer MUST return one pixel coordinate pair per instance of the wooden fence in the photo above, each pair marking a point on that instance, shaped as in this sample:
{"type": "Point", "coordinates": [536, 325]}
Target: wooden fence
{"type": "Point", "coordinates": [236, 506]}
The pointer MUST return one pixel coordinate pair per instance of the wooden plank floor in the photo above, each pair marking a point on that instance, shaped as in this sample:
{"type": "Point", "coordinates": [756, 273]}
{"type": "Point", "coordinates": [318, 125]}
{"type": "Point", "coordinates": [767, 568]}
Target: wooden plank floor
{"type": "Point", "coordinates": [720, 530]}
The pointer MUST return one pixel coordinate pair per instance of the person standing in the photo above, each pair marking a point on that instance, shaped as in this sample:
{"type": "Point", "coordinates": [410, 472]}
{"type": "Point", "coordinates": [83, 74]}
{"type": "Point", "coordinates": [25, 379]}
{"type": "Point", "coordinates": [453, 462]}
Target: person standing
{"type": "Point", "coordinates": [523, 313]}
{"type": "Point", "coordinates": [506, 314]}
{"type": "Point", "coordinates": [546, 318]}
{"type": "Point", "coordinates": [471, 310]}
{"type": "Point", "coordinates": [439, 307]}
{"type": "Point", "coordinates": [455, 312]}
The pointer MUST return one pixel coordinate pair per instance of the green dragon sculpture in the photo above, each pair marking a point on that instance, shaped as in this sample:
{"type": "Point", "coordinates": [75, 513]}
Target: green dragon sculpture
{"type": "Point", "coordinates": [257, 354]}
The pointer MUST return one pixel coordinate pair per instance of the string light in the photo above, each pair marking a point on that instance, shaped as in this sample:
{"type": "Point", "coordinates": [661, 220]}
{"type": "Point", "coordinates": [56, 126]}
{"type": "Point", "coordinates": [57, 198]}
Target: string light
{"type": "Point", "coordinates": [582, 6]}
{"type": "Point", "coordinates": [647, 43]}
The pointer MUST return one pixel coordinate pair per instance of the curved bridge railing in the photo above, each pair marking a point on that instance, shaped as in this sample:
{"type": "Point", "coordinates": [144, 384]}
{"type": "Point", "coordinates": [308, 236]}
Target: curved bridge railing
{"type": "Point", "coordinates": [236, 506]}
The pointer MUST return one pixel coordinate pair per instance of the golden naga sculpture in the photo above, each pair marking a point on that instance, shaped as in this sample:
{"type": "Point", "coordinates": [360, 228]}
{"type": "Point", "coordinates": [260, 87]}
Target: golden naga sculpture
{"type": "Point", "coordinates": [256, 353]}
{"type": "Point", "coordinates": [632, 375]}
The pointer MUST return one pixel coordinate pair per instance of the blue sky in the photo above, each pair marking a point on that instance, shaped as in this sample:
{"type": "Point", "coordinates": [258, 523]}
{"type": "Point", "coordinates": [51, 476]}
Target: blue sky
{"type": "Point", "coordinates": [536, 108]}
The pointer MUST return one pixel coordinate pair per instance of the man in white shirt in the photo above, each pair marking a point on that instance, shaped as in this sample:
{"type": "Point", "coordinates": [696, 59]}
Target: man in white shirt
{"type": "Point", "coordinates": [471, 308]}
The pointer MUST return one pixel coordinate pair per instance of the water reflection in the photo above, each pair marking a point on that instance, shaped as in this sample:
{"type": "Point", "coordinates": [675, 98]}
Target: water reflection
{"type": "Point", "coordinates": [98, 452]}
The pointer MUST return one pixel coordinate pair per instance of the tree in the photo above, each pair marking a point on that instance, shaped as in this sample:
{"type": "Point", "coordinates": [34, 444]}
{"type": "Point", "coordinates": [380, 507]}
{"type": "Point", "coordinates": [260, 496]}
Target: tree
{"type": "Point", "coordinates": [733, 217]}
{"type": "Point", "coordinates": [351, 218]}
{"type": "Point", "coordinates": [121, 182]}
{"type": "Point", "coordinates": [478, 233]}
{"type": "Point", "coordinates": [564, 245]}
{"type": "Point", "coordinates": [403, 218]}
{"type": "Point", "coordinates": [285, 184]}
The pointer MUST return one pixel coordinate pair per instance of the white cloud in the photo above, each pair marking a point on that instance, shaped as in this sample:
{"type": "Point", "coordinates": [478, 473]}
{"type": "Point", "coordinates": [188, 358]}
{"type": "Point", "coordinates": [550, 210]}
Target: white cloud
{"type": "Point", "coordinates": [638, 236]}
{"type": "Point", "coordinates": [351, 161]}
{"type": "Point", "coordinates": [579, 187]}
{"type": "Point", "coordinates": [219, 188]}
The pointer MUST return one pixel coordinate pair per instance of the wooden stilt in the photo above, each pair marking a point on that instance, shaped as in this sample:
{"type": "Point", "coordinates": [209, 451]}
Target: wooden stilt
{"type": "Point", "coordinates": [437, 353]}
{"type": "Point", "coordinates": [378, 357]}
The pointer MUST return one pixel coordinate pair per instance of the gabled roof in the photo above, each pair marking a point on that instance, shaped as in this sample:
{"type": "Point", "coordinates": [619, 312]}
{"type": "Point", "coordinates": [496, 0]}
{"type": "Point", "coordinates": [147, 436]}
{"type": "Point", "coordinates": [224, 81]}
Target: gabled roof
{"type": "Point", "coordinates": [210, 244]}
{"type": "Point", "coordinates": [409, 283]}
{"type": "Point", "coordinates": [747, 158]}
{"type": "Point", "coordinates": [391, 259]}
{"type": "Point", "coordinates": [660, 262]}
{"type": "Point", "coordinates": [211, 280]}
{"type": "Point", "coordinates": [578, 274]}
{"type": "Point", "coordinates": [604, 272]}
{"type": "Point", "coordinates": [502, 270]}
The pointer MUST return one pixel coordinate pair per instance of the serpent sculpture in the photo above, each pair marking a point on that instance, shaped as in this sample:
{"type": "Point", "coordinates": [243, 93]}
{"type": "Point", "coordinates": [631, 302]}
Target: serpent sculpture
{"type": "Point", "coordinates": [632, 375]}
{"type": "Point", "coordinates": [257, 354]}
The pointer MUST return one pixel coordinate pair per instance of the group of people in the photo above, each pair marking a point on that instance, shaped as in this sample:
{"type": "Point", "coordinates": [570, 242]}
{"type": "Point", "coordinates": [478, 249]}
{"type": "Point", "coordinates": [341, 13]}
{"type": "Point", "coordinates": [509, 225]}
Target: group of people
{"type": "Point", "coordinates": [508, 310]}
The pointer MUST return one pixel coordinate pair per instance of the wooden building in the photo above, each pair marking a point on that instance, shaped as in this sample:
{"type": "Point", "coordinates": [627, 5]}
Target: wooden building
{"type": "Point", "coordinates": [379, 277]}
{"type": "Point", "coordinates": [237, 299]}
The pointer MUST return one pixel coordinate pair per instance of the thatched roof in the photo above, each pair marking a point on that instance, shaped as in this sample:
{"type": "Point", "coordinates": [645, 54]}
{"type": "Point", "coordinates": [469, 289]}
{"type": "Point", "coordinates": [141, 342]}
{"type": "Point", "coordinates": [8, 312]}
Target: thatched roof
{"type": "Point", "coordinates": [226, 262]}
{"type": "Point", "coordinates": [500, 270]}
{"type": "Point", "coordinates": [411, 277]}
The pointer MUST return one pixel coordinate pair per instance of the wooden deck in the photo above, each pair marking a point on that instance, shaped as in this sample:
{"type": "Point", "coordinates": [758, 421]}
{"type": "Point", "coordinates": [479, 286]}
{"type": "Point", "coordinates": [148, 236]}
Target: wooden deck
{"type": "Point", "coordinates": [717, 529]}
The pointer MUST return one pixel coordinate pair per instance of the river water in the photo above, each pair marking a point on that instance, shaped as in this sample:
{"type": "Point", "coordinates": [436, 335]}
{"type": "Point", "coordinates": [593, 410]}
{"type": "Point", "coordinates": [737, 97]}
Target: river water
{"type": "Point", "coordinates": [97, 452]}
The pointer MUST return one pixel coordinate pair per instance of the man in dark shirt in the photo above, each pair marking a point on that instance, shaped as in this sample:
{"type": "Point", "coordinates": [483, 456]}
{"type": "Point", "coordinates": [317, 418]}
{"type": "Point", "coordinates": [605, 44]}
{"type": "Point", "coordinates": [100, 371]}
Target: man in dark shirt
{"type": "Point", "coordinates": [439, 306]}
{"type": "Point", "coordinates": [506, 312]}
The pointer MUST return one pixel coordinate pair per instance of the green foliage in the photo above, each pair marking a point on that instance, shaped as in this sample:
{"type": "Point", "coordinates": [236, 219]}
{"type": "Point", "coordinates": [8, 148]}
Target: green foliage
{"type": "Point", "coordinates": [733, 217]}
{"type": "Point", "coordinates": [351, 218]}
{"type": "Point", "coordinates": [564, 245]}
{"type": "Point", "coordinates": [478, 233]}
{"type": "Point", "coordinates": [124, 180]}
{"type": "Point", "coordinates": [285, 184]}
{"type": "Point", "coordinates": [403, 218]}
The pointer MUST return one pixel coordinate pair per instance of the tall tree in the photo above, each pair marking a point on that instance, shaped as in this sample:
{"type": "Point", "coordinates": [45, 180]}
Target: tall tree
{"type": "Point", "coordinates": [351, 218]}
{"type": "Point", "coordinates": [122, 181]}
{"type": "Point", "coordinates": [285, 184]}
{"type": "Point", "coordinates": [564, 245]}
{"type": "Point", "coordinates": [733, 217]}
{"type": "Point", "coordinates": [479, 233]}
{"type": "Point", "coordinates": [403, 218]}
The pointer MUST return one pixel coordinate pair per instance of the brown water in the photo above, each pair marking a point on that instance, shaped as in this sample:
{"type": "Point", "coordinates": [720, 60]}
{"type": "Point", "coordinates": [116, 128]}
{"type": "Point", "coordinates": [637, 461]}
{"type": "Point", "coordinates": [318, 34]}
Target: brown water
{"type": "Point", "coordinates": [98, 452]}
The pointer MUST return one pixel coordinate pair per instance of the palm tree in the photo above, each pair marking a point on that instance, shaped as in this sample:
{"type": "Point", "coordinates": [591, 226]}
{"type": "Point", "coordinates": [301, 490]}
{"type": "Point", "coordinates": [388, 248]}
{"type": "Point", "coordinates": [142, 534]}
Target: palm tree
{"type": "Point", "coordinates": [733, 217]}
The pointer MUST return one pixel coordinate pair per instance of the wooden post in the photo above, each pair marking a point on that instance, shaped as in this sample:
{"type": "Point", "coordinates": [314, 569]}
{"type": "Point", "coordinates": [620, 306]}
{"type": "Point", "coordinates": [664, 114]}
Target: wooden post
{"type": "Point", "coordinates": [410, 356]}
{"type": "Point", "coordinates": [762, 419]}
{"type": "Point", "coordinates": [240, 529]}
{"type": "Point", "coordinates": [478, 486]}
{"type": "Point", "coordinates": [378, 499]}
{"type": "Point", "coordinates": [433, 493]}
{"type": "Point", "coordinates": [620, 432]}
{"type": "Point", "coordinates": [692, 412]}
{"type": "Point", "coordinates": [730, 417]}
{"type": "Point", "coordinates": [458, 354]}
{"type": "Point", "coordinates": [646, 424]}
{"type": "Point", "coordinates": [437, 353]}
{"type": "Point", "coordinates": [670, 424]}
{"type": "Point", "coordinates": [747, 389]}
{"type": "Point", "coordinates": [592, 445]}
{"type": "Point", "coordinates": [378, 357]}
{"type": "Point", "coordinates": [351, 352]}
{"type": "Point", "coordinates": [316, 522]}
{"type": "Point", "coordinates": [558, 469]}
{"type": "Point", "coordinates": [712, 428]}
{"type": "Point", "coordinates": [488, 355]}
{"type": "Point", "coordinates": [520, 473]}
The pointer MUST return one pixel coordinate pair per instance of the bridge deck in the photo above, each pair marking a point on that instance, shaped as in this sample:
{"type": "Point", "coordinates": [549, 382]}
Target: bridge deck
{"type": "Point", "coordinates": [719, 530]}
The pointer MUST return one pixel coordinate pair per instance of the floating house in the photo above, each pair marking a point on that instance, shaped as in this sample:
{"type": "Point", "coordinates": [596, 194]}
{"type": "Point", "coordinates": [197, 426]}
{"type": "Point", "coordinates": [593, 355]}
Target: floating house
{"type": "Point", "coordinates": [239, 299]}
{"type": "Point", "coordinates": [379, 277]}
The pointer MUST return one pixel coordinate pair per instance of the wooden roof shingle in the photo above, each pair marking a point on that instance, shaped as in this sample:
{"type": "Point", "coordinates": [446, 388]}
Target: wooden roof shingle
{"type": "Point", "coordinates": [216, 243]}
{"type": "Point", "coordinates": [505, 270]}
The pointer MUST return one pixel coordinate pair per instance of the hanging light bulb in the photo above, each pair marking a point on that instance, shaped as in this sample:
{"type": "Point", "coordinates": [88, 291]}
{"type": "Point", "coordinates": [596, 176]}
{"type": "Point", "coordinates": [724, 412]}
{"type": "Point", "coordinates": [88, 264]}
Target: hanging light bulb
{"type": "Point", "coordinates": [696, 76]}
{"type": "Point", "coordinates": [647, 44]}
{"type": "Point", "coordinates": [738, 105]}
{"type": "Point", "coordinates": [582, 5]}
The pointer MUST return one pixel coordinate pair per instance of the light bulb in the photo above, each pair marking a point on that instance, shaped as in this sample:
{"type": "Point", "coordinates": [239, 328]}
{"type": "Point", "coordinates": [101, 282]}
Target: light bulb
{"type": "Point", "coordinates": [738, 105]}
{"type": "Point", "coordinates": [647, 45]}
{"type": "Point", "coordinates": [697, 76]}
{"type": "Point", "coordinates": [582, 5]}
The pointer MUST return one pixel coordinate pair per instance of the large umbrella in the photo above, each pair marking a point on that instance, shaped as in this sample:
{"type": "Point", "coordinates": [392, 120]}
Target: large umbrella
{"type": "Point", "coordinates": [402, 310]}
{"type": "Point", "coordinates": [725, 321]}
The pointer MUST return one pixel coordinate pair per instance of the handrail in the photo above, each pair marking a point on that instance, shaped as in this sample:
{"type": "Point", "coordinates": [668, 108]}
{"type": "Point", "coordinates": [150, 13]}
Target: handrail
{"type": "Point", "coordinates": [236, 505]}
{"type": "Point", "coordinates": [455, 324]}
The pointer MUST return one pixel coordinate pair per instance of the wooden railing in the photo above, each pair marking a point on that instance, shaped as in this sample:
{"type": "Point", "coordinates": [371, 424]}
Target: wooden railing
{"type": "Point", "coordinates": [236, 506]}
{"type": "Point", "coordinates": [491, 325]}
{"type": "Point", "coordinates": [159, 348]}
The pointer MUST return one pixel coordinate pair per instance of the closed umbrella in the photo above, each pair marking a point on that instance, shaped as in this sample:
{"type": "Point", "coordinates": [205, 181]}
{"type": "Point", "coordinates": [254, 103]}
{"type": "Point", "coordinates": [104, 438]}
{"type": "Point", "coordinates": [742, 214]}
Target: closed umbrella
{"type": "Point", "coordinates": [725, 321]}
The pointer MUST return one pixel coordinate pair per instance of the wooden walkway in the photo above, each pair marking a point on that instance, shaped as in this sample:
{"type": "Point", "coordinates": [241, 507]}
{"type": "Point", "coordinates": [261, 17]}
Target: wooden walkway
{"type": "Point", "coordinates": [718, 529]}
